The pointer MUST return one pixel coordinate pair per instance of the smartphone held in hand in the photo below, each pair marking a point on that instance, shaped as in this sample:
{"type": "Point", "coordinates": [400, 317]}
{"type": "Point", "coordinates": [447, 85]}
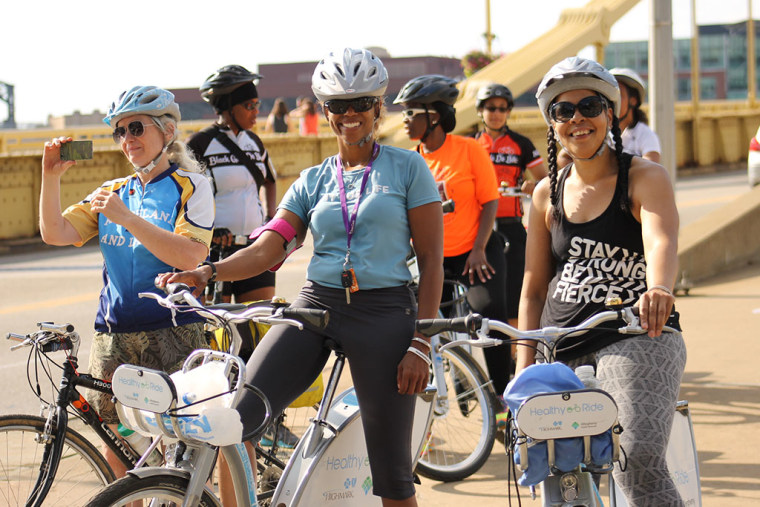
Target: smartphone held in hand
{"type": "Point", "coordinates": [76, 150]}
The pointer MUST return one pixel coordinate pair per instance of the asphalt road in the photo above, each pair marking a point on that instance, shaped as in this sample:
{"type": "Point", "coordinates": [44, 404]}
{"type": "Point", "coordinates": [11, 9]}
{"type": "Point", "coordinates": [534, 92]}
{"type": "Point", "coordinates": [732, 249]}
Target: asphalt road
{"type": "Point", "coordinates": [721, 319]}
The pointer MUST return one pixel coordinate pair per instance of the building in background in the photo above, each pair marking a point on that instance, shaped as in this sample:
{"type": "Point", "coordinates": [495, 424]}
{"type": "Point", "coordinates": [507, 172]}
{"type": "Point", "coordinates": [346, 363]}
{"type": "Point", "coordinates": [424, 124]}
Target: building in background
{"type": "Point", "coordinates": [722, 61]}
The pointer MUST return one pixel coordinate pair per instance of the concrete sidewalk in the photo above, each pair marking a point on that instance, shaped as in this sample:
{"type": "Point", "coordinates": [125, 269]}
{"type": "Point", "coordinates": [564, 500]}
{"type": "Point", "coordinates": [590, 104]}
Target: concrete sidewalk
{"type": "Point", "coordinates": [721, 321]}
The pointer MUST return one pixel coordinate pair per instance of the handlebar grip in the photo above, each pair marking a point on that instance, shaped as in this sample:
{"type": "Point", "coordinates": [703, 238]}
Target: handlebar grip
{"type": "Point", "coordinates": [55, 328]}
{"type": "Point", "coordinates": [174, 288]}
{"type": "Point", "coordinates": [468, 324]}
{"type": "Point", "coordinates": [311, 316]}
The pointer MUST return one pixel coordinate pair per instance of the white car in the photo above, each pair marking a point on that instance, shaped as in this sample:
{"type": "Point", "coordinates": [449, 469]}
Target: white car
{"type": "Point", "coordinates": [753, 160]}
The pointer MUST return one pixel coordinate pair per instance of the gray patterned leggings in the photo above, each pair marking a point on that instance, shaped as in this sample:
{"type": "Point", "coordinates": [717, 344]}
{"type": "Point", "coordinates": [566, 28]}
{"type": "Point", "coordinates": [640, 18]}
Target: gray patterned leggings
{"type": "Point", "coordinates": [643, 376]}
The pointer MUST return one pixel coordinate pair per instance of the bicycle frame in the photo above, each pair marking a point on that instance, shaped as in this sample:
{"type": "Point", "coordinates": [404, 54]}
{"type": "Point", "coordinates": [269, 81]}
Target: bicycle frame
{"type": "Point", "coordinates": [336, 429]}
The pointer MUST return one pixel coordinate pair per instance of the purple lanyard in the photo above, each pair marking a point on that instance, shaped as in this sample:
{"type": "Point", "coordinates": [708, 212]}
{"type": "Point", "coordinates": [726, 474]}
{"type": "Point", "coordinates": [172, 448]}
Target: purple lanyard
{"type": "Point", "coordinates": [350, 222]}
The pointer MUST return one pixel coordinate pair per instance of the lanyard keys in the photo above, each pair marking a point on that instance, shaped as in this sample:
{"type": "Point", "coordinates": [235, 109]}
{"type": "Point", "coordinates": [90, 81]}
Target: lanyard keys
{"type": "Point", "coordinates": [348, 281]}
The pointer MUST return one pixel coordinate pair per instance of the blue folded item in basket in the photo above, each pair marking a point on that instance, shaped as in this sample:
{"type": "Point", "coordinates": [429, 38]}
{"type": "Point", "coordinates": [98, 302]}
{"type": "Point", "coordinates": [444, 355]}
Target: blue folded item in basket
{"type": "Point", "coordinates": [549, 378]}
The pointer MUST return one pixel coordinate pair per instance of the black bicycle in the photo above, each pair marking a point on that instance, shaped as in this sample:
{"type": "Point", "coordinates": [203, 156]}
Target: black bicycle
{"type": "Point", "coordinates": [42, 457]}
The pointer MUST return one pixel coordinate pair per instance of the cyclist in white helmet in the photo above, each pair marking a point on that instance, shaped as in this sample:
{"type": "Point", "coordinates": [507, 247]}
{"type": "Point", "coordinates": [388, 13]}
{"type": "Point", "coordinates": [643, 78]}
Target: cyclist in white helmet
{"type": "Point", "coordinates": [362, 206]}
{"type": "Point", "coordinates": [607, 226]}
{"type": "Point", "coordinates": [159, 218]}
{"type": "Point", "coordinates": [638, 138]}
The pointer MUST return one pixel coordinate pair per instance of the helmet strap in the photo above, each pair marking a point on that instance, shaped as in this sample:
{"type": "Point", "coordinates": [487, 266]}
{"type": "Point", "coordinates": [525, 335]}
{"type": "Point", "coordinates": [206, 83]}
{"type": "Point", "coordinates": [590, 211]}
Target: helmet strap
{"type": "Point", "coordinates": [431, 125]}
{"type": "Point", "coordinates": [148, 168]}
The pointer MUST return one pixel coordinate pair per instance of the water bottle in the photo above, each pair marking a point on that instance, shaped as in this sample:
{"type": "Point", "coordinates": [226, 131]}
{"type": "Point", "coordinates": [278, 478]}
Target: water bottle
{"type": "Point", "coordinates": [140, 444]}
{"type": "Point", "coordinates": [586, 374]}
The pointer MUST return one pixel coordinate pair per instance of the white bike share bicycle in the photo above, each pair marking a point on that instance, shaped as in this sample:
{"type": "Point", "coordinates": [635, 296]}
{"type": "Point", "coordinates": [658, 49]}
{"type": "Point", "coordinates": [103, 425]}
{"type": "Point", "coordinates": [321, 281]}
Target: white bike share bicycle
{"type": "Point", "coordinates": [311, 476]}
{"type": "Point", "coordinates": [552, 419]}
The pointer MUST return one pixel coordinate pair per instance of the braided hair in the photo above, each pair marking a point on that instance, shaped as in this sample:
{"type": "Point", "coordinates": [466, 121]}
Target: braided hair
{"type": "Point", "coordinates": [623, 162]}
{"type": "Point", "coordinates": [551, 142]}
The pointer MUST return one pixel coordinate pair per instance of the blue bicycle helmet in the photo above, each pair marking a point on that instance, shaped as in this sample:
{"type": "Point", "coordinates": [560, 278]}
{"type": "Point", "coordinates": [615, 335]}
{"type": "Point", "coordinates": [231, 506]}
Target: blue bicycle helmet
{"type": "Point", "coordinates": [149, 100]}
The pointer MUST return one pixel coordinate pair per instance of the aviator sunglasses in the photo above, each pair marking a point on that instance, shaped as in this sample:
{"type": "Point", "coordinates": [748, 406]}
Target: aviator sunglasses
{"type": "Point", "coordinates": [360, 105]}
{"type": "Point", "coordinates": [590, 107]}
{"type": "Point", "coordinates": [136, 128]}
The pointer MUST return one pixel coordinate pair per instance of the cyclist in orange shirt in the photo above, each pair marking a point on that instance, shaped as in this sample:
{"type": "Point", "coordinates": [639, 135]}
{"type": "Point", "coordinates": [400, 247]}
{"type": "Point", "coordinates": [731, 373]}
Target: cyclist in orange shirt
{"type": "Point", "coordinates": [464, 173]}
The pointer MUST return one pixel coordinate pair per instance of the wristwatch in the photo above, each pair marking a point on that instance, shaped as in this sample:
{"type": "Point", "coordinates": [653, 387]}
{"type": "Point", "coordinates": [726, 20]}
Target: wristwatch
{"type": "Point", "coordinates": [213, 270]}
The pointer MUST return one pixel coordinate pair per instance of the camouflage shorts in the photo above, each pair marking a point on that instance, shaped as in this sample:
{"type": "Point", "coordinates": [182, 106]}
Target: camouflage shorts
{"type": "Point", "coordinates": [162, 349]}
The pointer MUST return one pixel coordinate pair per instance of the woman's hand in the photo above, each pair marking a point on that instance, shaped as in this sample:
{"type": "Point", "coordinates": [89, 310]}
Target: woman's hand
{"type": "Point", "coordinates": [197, 278]}
{"type": "Point", "coordinates": [52, 165]}
{"type": "Point", "coordinates": [477, 264]}
{"type": "Point", "coordinates": [110, 205]}
{"type": "Point", "coordinates": [413, 373]}
{"type": "Point", "coordinates": [655, 306]}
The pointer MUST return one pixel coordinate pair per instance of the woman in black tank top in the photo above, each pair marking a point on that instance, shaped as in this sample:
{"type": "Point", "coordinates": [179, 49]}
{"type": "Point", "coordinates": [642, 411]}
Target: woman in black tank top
{"type": "Point", "coordinates": [606, 226]}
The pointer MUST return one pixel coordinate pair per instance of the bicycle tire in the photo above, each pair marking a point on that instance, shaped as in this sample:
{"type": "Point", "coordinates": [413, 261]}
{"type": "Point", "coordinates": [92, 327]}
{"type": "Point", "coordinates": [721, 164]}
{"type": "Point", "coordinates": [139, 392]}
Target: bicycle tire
{"type": "Point", "coordinates": [167, 490]}
{"type": "Point", "coordinates": [82, 469]}
{"type": "Point", "coordinates": [460, 440]}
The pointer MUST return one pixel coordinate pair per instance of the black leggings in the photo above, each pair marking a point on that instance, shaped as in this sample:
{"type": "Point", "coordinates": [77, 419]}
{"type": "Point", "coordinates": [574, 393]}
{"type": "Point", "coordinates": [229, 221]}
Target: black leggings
{"type": "Point", "coordinates": [489, 299]}
{"type": "Point", "coordinates": [374, 331]}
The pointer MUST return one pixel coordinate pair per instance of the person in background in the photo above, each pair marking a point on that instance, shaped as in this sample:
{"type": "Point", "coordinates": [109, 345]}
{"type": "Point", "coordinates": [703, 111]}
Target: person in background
{"type": "Point", "coordinates": [308, 118]}
{"type": "Point", "coordinates": [157, 219]}
{"type": "Point", "coordinates": [512, 154]}
{"type": "Point", "coordinates": [607, 226]}
{"type": "Point", "coordinates": [473, 255]}
{"type": "Point", "coordinates": [242, 174]}
{"type": "Point", "coordinates": [362, 206]}
{"type": "Point", "coordinates": [638, 138]}
{"type": "Point", "coordinates": [278, 121]}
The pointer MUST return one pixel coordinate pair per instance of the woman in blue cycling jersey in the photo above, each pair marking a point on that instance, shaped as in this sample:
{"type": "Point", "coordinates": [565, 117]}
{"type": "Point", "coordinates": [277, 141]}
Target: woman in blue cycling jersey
{"type": "Point", "coordinates": [362, 207]}
{"type": "Point", "coordinates": [157, 219]}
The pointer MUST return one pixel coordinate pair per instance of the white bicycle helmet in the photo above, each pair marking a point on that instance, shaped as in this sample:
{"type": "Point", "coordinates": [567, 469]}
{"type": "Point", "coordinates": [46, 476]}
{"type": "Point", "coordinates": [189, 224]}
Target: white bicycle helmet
{"type": "Point", "coordinates": [576, 73]}
{"type": "Point", "coordinates": [347, 74]}
{"type": "Point", "coordinates": [632, 80]}
{"type": "Point", "coordinates": [149, 100]}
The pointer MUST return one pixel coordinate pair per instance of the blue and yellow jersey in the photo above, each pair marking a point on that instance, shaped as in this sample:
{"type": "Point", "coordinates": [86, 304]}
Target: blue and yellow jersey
{"type": "Point", "coordinates": [178, 201]}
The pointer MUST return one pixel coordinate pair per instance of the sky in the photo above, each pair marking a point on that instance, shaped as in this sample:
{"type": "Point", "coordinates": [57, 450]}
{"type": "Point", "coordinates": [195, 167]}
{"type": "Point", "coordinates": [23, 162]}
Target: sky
{"type": "Point", "coordinates": [79, 55]}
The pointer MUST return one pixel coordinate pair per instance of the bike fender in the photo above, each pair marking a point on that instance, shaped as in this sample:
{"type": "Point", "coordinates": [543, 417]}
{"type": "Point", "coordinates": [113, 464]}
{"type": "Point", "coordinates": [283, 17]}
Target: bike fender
{"type": "Point", "coordinates": [144, 472]}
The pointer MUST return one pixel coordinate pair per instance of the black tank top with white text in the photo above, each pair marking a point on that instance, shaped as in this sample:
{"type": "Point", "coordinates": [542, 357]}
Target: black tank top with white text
{"type": "Point", "coordinates": [594, 260]}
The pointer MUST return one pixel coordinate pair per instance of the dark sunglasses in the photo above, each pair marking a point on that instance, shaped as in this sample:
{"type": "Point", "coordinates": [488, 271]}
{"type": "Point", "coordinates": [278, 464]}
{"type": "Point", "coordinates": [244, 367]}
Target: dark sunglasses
{"type": "Point", "coordinates": [493, 109]}
{"type": "Point", "coordinates": [360, 105]}
{"type": "Point", "coordinates": [136, 128]}
{"type": "Point", "coordinates": [590, 107]}
{"type": "Point", "coordinates": [251, 106]}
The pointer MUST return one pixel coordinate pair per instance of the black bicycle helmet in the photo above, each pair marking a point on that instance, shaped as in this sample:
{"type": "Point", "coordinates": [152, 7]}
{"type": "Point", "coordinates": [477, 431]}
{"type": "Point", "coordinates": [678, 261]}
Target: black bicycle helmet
{"type": "Point", "coordinates": [493, 90]}
{"type": "Point", "coordinates": [429, 89]}
{"type": "Point", "coordinates": [219, 85]}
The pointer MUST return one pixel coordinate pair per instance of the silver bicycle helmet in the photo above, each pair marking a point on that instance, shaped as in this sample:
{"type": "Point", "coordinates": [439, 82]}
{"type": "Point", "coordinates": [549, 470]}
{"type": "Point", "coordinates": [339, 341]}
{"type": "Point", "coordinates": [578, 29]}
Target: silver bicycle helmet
{"type": "Point", "coordinates": [632, 80]}
{"type": "Point", "coordinates": [494, 90]}
{"type": "Point", "coordinates": [349, 73]}
{"type": "Point", "coordinates": [149, 100]}
{"type": "Point", "coordinates": [576, 73]}
{"type": "Point", "coordinates": [429, 89]}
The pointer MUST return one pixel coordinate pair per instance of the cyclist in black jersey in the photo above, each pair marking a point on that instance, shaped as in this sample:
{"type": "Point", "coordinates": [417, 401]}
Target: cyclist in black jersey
{"type": "Point", "coordinates": [607, 226]}
{"type": "Point", "coordinates": [241, 172]}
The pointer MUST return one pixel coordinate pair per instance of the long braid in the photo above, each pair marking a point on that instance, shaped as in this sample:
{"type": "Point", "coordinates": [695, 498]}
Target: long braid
{"type": "Point", "coordinates": [624, 164]}
{"type": "Point", "coordinates": [552, 159]}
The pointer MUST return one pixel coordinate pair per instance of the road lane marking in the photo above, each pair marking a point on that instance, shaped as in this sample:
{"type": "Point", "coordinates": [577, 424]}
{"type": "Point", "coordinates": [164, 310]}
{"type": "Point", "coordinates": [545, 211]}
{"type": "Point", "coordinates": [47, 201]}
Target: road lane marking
{"type": "Point", "coordinates": [50, 303]}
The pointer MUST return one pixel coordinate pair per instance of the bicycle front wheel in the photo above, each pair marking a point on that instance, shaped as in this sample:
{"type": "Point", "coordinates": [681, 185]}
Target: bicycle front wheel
{"type": "Point", "coordinates": [82, 470]}
{"type": "Point", "coordinates": [154, 491]}
{"type": "Point", "coordinates": [463, 429]}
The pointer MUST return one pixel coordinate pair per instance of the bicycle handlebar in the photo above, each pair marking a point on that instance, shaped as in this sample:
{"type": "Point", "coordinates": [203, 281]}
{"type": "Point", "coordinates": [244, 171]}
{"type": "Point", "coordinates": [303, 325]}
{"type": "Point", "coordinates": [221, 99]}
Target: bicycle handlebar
{"type": "Point", "coordinates": [181, 298]}
{"type": "Point", "coordinates": [480, 327]}
{"type": "Point", "coordinates": [50, 338]}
